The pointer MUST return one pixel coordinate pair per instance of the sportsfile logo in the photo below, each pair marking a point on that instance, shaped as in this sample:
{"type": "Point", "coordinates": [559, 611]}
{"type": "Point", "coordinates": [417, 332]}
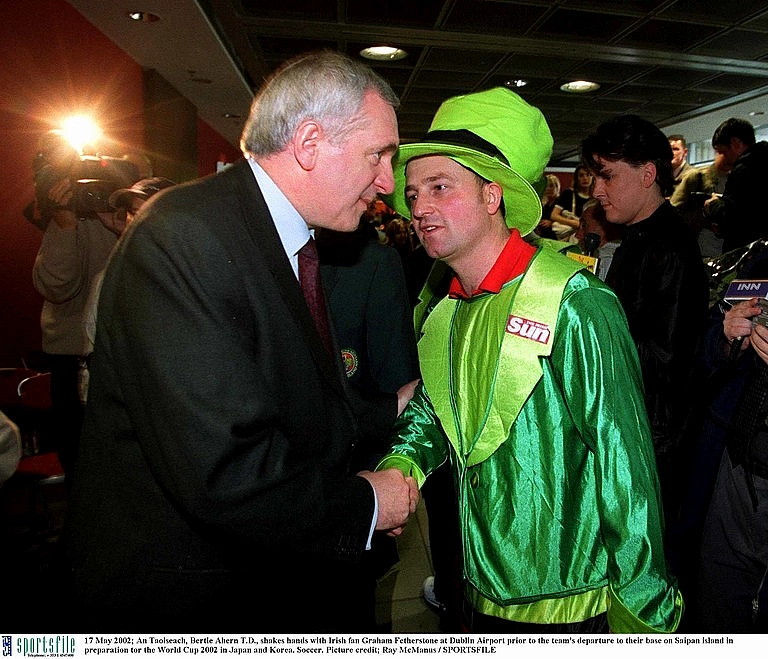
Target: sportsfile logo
{"type": "Point", "coordinates": [39, 646]}
{"type": "Point", "coordinates": [528, 329]}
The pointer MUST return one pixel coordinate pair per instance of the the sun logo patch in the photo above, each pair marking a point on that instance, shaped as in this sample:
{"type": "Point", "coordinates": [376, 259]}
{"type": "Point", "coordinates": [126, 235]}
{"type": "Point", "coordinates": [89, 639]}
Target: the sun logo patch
{"type": "Point", "coordinates": [528, 329]}
{"type": "Point", "coordinates": [351, 361]}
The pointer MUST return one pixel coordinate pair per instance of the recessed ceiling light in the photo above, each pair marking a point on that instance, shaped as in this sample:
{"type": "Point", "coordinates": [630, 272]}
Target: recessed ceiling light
{"type": "Point", "coordinates": [383, 53]}
{"type": "Point", "coordinates": [579, 86]}
{"type": "Point", "coordinates": [143, 16]}
{"type": "Point", "coordinates": [518, 82]}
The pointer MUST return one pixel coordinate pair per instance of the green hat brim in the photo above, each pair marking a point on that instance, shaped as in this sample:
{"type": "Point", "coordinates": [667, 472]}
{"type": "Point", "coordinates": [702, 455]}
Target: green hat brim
{"type": "Point", "coordinates": [522, 204]}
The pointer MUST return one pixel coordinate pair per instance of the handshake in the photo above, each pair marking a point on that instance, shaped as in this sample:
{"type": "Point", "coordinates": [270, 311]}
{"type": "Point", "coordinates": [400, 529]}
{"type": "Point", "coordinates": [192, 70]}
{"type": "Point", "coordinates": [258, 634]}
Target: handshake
{"type": "Point", "coordinates": [397, 497]}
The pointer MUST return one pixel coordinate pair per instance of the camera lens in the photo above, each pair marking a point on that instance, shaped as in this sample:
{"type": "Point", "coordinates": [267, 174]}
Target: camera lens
{"type": "Point", "coordinates": [92, 195]}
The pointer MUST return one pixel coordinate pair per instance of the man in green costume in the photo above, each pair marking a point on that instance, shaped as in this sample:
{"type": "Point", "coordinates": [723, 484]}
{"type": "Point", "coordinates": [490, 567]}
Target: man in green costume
{"type": "Point", "coordinates": [531, 390]}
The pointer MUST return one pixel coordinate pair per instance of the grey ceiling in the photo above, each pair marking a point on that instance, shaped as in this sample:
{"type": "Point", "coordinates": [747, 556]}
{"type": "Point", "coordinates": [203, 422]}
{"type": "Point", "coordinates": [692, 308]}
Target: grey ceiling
{"type": "Point", "coordinates": [662, 59]}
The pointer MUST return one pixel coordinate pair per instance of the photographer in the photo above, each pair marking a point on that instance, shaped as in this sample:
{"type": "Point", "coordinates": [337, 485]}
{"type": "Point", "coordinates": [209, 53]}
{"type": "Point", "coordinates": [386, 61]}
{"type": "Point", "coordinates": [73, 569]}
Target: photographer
{"type": "Point", "coordinates": [699, 184]}
{"type": "Point", "coordinates": [77, 241]}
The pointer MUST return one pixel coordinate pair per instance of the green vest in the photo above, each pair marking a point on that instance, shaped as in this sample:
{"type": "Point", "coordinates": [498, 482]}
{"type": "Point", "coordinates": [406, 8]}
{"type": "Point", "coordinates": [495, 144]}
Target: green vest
{"type": "Point", "coordinates": [511, 331]}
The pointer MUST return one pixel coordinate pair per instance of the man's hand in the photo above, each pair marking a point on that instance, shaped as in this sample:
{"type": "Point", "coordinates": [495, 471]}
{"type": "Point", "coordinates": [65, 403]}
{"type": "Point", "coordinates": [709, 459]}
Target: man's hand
{"type": "Point", "coordinates": [60, 194]}
{"type": "Point", "coordinates": [712, 205]}
{"type": "Point", "coordinates": [397, 496]}
{"type": "Point", "coordinates": [404, 395]}
{"type": "Point", "coordinates": [711, 200]}
{"type": "Point", "coordinates": [115, 221]}
{"type": "Point", "coordinates": [737, 323]}
{"type": "Point", "coordinates": [759, 339]}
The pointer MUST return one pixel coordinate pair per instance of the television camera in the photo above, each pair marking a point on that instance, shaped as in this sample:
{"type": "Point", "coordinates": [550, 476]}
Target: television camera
{"type": "Point", "coordinates": [94, 178]}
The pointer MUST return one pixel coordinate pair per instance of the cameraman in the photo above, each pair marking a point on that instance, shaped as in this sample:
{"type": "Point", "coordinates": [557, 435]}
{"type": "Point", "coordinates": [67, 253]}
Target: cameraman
{"type": "Point", "coordinates": [75, 246]}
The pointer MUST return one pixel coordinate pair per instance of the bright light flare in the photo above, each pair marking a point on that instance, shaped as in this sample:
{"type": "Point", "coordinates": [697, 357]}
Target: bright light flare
{"type": "Point", "coordinates": [80, 131]}
{"type": "Point", "coordinates": [386, 53]}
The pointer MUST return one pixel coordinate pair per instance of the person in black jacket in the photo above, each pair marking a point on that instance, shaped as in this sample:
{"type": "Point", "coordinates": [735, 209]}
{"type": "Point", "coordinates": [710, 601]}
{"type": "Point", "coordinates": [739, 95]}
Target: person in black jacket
{"type": "Point", "coordinates": [372, 316]}
{"type": "Point", "coordinates": [740, 215]}
{"type": "Point", "coordinates": [657, 273]}
{"type": "Point", "coordinates": [720, 562]}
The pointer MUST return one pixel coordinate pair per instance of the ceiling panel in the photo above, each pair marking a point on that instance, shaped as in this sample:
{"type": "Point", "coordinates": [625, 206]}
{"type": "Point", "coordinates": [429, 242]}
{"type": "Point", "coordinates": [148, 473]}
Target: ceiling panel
{"type": "Point", "coordinates": [422, 14]}
{"type": "Point", "coordinates": [598, 27]}
{"type": "Point", "coordinates": [714, 11]}
{"type": "Point", "coordinates": [513, 19]}
{"type": "Point", "coordinates": [667, 60]}
{"type": "Point", "coordinates": [749, 44]}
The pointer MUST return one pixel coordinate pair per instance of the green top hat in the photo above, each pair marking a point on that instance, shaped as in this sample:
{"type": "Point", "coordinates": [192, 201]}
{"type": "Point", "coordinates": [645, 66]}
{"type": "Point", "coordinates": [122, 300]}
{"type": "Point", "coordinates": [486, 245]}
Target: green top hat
{"type": "Point", "coordinates": [497, 135]}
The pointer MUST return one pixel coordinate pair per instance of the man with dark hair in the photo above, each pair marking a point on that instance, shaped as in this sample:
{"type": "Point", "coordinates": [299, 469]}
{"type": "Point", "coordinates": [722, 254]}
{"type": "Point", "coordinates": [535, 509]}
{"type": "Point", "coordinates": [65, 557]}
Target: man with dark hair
{"type": "Point", "coordinates": [740, 215]}
{"type": "Point", "coordinates": [657, 273]}
{"type": "Point", "coordinates": [680, 166]}
{"type": "Point", "coordinates": [730, 129]}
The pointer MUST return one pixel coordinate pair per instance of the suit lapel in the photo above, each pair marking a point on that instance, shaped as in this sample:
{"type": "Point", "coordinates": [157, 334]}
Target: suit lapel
{"type": "Point", "coordinates": [258, 220]}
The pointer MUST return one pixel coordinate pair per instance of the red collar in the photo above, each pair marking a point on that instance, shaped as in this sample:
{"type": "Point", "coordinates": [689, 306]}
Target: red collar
{"type": "Point", "coordinates": [512, 262]}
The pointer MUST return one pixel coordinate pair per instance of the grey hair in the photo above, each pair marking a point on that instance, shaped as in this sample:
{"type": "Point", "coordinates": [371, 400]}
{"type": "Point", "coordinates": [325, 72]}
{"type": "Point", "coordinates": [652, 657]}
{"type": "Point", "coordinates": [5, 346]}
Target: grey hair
{"type": "Point", "coordinates": [325, 86]}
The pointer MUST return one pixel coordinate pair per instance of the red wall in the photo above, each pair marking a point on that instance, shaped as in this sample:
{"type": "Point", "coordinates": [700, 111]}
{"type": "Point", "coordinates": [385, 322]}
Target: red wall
{"type": "Point", "coordinates": [55, 63]}
{"type": "Point", "coordinates": [211, 148]}
{"type": "Point", "coordinates": [566, 179]}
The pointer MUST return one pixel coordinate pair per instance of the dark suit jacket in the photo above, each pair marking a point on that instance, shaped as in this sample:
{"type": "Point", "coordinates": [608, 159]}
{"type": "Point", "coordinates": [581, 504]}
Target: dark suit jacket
{"type": "Point", "coordinates": [741, 212]}
{"type": "Point", "coordinates": [214, 458]}
{"type": "Point", "coordinates": [372, 317]}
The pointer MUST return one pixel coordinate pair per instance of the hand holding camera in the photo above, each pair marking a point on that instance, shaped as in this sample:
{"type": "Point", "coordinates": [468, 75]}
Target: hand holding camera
{"type": "Point", "coordinates": [58, 201]}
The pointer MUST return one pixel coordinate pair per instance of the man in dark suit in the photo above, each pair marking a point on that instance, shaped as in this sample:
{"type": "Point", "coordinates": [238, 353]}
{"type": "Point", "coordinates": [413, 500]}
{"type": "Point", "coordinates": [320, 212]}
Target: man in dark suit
{"type": "Point", "coordinates": [373, 323]}
{"type": "Point", "coordinates": [372, 315]}
{"type": "Point", "coordinates": [213, 489]}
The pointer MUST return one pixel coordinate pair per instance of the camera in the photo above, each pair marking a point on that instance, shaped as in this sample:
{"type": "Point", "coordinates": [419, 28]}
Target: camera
{"type": "Point", "coordinates": [698, 199]}
{"type": "Point", "coordinates": [94, 178]}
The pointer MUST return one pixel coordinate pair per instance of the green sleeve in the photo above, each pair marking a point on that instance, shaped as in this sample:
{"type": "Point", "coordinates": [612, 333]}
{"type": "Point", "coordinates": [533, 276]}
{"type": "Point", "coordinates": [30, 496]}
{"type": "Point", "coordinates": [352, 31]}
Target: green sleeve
{"type": "Point", "coordinates": [418, 444]}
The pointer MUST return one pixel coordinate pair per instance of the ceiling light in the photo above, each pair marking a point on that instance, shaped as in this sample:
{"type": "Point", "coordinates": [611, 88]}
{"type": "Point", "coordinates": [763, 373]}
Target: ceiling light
{"type": "Point", "coordinates": [143, 16]}
{"type": "Point", "coordinates": [756, 113]}
{"type": "Point", "coordinates": [579, 86]}
{"type": "Point", "coordinates": [383, 53]}
{"type": "Point", "coordinates": [518, 82]}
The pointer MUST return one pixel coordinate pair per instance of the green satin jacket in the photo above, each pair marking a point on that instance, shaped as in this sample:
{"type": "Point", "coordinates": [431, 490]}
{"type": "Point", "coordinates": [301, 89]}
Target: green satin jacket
{"type": "Point", "coordinates": [534, 394]}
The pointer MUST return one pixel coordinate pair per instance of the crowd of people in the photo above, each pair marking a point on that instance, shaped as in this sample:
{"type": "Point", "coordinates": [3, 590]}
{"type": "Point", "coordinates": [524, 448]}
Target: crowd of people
{"type": "Point", "coordinates": [286, 352]}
